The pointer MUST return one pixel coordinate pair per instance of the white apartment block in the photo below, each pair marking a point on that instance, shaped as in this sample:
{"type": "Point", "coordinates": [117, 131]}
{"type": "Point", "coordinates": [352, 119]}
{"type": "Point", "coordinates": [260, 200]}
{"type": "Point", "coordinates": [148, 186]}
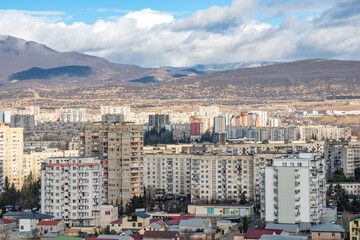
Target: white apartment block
{"type": "Point", "coordinates": [72, 115]}
{"type": "Point", "coordinates": [11, 154]}
{"type": "Point", "coordinates": [293, 190]}
{"type": "Point", "coordinates": [124, 110]}
{"type": "Point", "coordinates": [71, 189]}
{"type": "Point", "coordinates": [220, 124]}
{"type": "Point", "coordinates": [167, 174]}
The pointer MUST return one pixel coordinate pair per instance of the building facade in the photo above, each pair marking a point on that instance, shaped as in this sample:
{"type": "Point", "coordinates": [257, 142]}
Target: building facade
{"type": "Point", "coordinates": [293, 189]}
{"type": "Point", "coordinates": [71, 189]}
{"type": "Point", "coordinates": [11, 155]}
{"type": "Point", "coordinates": [119, 146]}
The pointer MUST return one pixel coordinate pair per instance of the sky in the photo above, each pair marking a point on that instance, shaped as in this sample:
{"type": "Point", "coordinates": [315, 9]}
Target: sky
{"type": "Point", "coordinates": [152, 33]}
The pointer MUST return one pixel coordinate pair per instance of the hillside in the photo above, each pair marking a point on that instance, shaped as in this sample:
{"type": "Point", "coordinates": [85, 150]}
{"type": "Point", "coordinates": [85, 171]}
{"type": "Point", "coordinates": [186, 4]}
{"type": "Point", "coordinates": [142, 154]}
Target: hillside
{"type": "Point", "coordinates": [37, 74]}
{"type": "Point", "coordinates": [19, 58]}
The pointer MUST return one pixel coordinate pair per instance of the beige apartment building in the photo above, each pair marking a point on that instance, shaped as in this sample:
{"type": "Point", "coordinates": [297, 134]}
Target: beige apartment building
{"type": "Point", "coordinates": [119, 146]}
{"type": "Point", "coordinates": [32, 160]}
{"type": "Point", "coordinates": [11, 154]}
{"type": "Point", "coordinates": [205, 177]}
{"type": "Point", "coordinates": [167, 174]}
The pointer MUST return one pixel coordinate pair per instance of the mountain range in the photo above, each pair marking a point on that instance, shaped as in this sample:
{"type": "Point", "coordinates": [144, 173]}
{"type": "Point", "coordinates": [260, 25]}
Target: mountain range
{"type": "Point", "coordinates": [29, 69]}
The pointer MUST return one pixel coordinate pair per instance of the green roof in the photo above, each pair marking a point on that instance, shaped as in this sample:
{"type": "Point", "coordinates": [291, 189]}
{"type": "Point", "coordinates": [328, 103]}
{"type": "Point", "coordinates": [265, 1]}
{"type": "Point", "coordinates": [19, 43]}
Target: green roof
{"type": "Point", "coordinates": [353, 218]}
{"type": "Point", "coordinates": [66, 238]}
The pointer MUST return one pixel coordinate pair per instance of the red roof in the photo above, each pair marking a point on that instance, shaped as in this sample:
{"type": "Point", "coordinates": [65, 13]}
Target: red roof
{"type": "Point", "coordinates": [48, 223]}
{"type": "Point", "coordinates": [119, 221]}
{"type": "Point", "coordinates": [257, 233]}
{"type": "Point", "coordinates": [239, 234]}
{"type": "Point", "coordinates": [5, 221]}
{"type": "Point", "coordinates": [155, 220]}
{"type": "Point", "coordinates": [136, 236]}
{"type": "Point", "coordinates": [161, 234]}
{"type": "Point", "coordinates": [176, 221]}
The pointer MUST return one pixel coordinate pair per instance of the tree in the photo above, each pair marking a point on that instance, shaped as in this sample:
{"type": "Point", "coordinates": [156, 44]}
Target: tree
{"type": "Point", "coordinates": [243, 198]}
{"type": "Point", "coordinates": [357, 174]}
{"type": "Point", "coordinates": [245, 224]}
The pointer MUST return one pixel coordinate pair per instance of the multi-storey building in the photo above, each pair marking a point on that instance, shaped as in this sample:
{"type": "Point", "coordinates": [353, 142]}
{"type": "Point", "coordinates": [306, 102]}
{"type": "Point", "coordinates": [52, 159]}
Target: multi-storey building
{"type": "Point", "coordinates": [220, 124]}
{"type": "Point", "coordinates": [72, 115]}
{"type": "Point", "coordinates": [158, 121]}
{"type": "Point", "coordinates": [119, 146]}
{"type": "Point", "coordinates": [293, 189]}
{"type": "Point", "coordinates": [71, 189]}
{"type": "Point", "coordinates": [32, 160]}
{"type": "Point", "coordinates": [205, 177]}
{"type": "Point", "coordinates": [11, 154]}
{"type": "Point", "coordinates": [22, 121]}
{"type": "Point", "coordinates": [123, 110]}
{"type": "Point", "coordinates": [342, 155]}
{"type": "Point", "coordinates": [167, 174]}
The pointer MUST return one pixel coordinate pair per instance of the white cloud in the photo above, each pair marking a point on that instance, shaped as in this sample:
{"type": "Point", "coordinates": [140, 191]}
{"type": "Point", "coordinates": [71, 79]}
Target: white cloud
{"type": "Point", "coordinates": [214, 35]}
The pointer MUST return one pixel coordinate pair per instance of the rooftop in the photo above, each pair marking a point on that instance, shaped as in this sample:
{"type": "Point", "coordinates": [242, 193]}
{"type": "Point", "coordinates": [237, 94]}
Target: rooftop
{"type": "Point", "coordinates": [257, 233]}
{"type": "Point", "coordinates": [327, 227]}
{"type": "Point", "coordinates": [48, 223]}
{"type": "Point", "coordinates": [290, 228]}
{"type": "Point", "coordinates": [161, 234]}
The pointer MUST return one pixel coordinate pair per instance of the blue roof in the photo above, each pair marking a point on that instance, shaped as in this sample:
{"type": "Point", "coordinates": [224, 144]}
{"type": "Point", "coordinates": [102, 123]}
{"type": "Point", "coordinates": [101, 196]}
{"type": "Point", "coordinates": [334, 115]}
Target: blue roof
{"type": "Point", "coordinates": [192, 223]}
{"type": "Point", "coordinates": [36, 216]}
{"type": "Point", "coordinates": [327, 227]}
{"type": "Point", "coordinates": [141, 214]}
{"type": "Point", "coordinates": [290, 228]}
{"type": "Point", "coordinates": [281, 237]}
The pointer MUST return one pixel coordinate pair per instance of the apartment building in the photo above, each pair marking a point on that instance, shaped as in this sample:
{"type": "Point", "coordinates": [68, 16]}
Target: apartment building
{"type": "Point", "coordinates": [158, 121]}
{"type": "Point", "coordinates": [11, 154]}
{"type": "Point", "coordinates": [293, 189]}
{"type": "Point", "coordinates": [119, 146]}
{"type": "Point", "coordinates": [167, 174]}
{"type": "Point", "coordinates": [32, 160]}
{"type": "Point", "coordinates": [71, 115]}
{"type": "Point", "coordinates": [22, 121]}
{"type": "Point", "coordinates": [71, 189]}
{"type": "Point", "coordinates": [349, 187]}
{"type": "Point", "coordinates": [342, 155]}
{"type": "Point", "coordinates": [123, 110]}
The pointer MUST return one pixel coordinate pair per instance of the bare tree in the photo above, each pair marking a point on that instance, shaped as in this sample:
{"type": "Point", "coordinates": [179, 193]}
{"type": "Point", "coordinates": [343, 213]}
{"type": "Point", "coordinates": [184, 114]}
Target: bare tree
{"type": "Point", "coordinates": [5, 236]}
{"type": "Point", "coordinates": [344, 221]}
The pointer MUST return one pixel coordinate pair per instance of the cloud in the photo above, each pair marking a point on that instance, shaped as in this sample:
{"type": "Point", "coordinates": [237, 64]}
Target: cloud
{"type": "Point", "coordinates": [213, 35]}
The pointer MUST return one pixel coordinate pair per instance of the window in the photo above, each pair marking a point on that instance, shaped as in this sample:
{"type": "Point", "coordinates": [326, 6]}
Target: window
{"type": "Point", "coordinates": [227, 211]}
{"type": "Point", "coordinates": [333, 234]}
{"type": "Point", "coordinates": [299, 164]}
{"type": "Point", "coordinates": [284, 164]}
{"type": "Point", "coordinates": [291, 164]}
{"type": "Point", "coordinates": [107, 213]}
{"type": "Point", "coordinates": [210, 211]}
{"type": "Point", "coordinates": [319, 234]}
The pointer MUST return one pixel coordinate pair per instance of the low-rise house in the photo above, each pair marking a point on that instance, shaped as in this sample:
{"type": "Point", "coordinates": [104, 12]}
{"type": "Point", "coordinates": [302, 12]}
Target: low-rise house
{"type": "Point", "coordinates": [28, 222]}
{"type": "Point", "coordinates": [6, 225]}
{"type": "Point", "coordinates": [327, 231]}
{"type": "Point", "coordinates": [155, 235]}
{"type": "Point", "coordinates": [354, 227]}
{"type": "Point", "coordinates": [257, 233]}
{"type": "Point", "coordinates": [108, 214]}
{"type": "Point", "coordinates": [135, 221]}
{"type": "Point", "coordinates": [193, 225]}
{"type": "Point", "coordinates": [116, 225]}
{"type": "Point", "coordinates": [111, 237]}
{"type": "Point", "coordinates": [276, 237]}
{"type": "Point", "coordinates": [155, 226]}
{"type": "Point", "coordinates": [291, 229]}
{"type": "Point", "coordinates": [44, 227]}
{"type": "Point", "coordinates": [224, 210]}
